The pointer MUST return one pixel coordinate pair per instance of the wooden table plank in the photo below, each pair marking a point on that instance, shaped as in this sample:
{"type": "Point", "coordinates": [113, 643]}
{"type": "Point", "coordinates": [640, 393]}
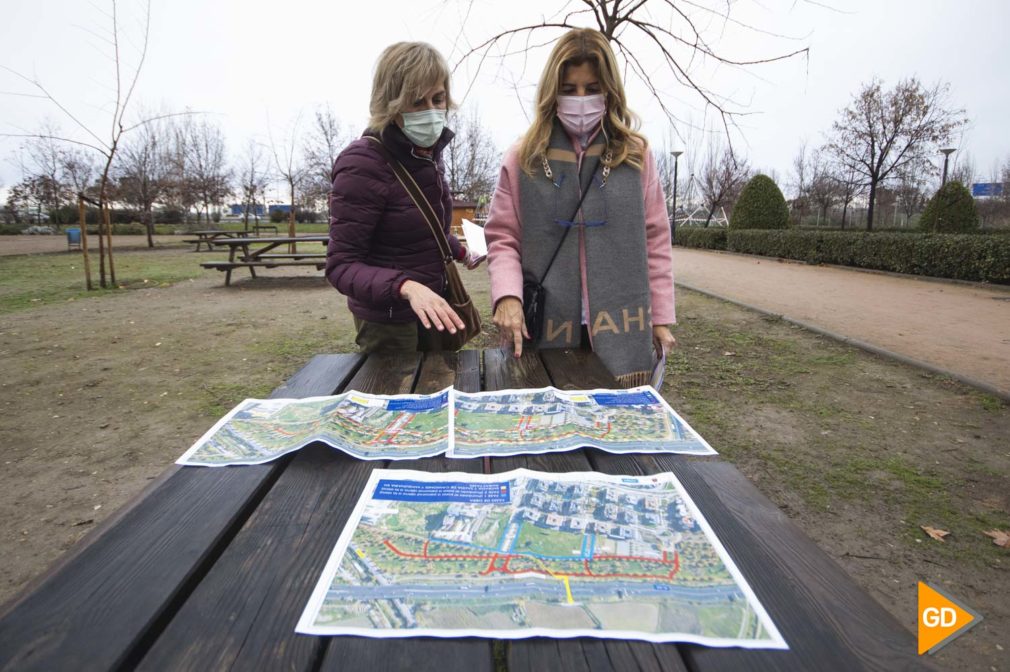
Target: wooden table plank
{"type": "Point", "coordinates": [437, 371]}
{"type": "Point", "coordinates": [570, 369]}
{"type": "Point", "coordinates": [100, 610]}
{"type": "Point", "coordinates": [243, 614]}
{"type": "Point", "coordinates": [827, 620]}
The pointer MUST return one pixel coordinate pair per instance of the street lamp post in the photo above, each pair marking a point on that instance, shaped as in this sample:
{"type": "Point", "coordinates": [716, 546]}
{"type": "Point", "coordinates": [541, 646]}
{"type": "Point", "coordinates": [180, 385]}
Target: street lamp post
{"type": "Point", "coordinates": [947, 151]}
{"type": "Point", "coordinates": [673, 215]}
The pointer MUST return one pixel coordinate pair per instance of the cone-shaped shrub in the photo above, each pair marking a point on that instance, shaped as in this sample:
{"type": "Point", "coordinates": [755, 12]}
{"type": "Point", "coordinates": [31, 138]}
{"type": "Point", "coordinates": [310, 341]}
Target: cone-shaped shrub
{"type": "Point", "coordinates": [951, 210]}
{"type": "Point", "coordinates": [760, 206]}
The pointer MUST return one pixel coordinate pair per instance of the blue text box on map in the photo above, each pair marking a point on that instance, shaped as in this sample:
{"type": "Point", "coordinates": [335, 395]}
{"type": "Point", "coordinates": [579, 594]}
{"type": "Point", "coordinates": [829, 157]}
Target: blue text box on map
{"type": "Point", "coordinates": [442, 491]}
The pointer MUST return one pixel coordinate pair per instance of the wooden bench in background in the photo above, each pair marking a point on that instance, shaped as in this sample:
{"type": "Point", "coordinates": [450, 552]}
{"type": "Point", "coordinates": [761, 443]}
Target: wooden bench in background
{"type": "Point", "coordinates": [244, 253]}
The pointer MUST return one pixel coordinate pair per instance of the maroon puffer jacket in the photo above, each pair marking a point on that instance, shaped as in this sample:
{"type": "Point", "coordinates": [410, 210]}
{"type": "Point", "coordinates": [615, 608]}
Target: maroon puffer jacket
{"type": "Point", "coordinates": [378, 237]}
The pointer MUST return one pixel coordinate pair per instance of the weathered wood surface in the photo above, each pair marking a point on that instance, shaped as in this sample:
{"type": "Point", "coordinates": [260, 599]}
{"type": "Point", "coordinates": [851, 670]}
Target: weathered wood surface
{"type": "Point", "coordinates": [393, 375]}
{"type": "Point", "coordinates": [213, 567]}
{"type": "Point", "coordinates": [562, 369]}
{"type": "Point", "coordinates": [98, 611]}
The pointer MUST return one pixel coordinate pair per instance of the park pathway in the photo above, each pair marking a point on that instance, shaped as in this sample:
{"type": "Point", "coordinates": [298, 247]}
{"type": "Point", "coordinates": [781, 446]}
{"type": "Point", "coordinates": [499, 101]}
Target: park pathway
{"type": "Point", "coordinates": [961, 328]}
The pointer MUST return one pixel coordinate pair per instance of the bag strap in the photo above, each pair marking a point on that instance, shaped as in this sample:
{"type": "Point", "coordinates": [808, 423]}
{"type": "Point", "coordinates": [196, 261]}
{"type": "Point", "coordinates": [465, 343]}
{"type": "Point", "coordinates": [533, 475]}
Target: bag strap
{"type": "Point", "coordinates": [570, 219]}
{"type": "Point", "coordinates": [416, 195]}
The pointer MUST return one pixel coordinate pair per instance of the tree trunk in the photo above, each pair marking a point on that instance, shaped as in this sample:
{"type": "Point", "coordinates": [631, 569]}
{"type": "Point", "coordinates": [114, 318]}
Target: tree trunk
{"type": "Point", "coordinates": [291, 219]}
{"type": "Point", "coordinates": [869, 209]}
{"type": "Point", "coordinates": [84, 242]}
{"type": "Point", "coordinates": [149, 223]}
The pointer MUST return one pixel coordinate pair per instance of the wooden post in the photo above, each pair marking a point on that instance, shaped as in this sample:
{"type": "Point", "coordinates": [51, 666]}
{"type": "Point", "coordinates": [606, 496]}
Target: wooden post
{"type": "Point", "coordinates": [108, 238]}
{"type": "Point", "coordinates": [84, 241]}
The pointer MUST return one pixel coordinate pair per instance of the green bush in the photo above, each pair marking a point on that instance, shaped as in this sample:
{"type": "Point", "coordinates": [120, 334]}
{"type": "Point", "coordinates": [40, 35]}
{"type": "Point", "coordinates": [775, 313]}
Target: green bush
{"type": "Point", "coordinates": [760, 206]}
{"type": "Point", "coordinates": [700, 238]}
{"type": "Point", "coordinates": [277, 216]}
{"type": "Point", "coordinates": [977, 257]}
{"type": "Point", "coordinates": [951, 210]}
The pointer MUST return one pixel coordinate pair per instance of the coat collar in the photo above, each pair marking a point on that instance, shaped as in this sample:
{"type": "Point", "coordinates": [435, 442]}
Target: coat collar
{"type": "Point", "coordinates": [393, 138]}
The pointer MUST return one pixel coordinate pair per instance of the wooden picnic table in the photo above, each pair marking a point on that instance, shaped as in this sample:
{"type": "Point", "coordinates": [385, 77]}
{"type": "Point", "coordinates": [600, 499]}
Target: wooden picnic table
{"type": "Point", "coordinates": [210, 568]}
{"type": "Point", "coordinates": [252, 252]}
{"type": "Point", "coordinates": [209, 237]}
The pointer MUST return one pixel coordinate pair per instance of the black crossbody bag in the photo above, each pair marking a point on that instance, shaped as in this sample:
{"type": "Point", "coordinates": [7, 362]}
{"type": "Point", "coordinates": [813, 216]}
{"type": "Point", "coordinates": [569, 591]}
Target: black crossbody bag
{"type": "Point", "coordinates": [534, 295]}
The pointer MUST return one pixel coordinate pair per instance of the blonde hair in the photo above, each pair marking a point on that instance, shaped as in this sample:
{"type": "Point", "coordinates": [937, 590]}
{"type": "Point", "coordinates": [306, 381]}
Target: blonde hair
{"type": "Point", "coordinates": [578, 46]}
{"type": "Point", "coordinates": [404, 72]}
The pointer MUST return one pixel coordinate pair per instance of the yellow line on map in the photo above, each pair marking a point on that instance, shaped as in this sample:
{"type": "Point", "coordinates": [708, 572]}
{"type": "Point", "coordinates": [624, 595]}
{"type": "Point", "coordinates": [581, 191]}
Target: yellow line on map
{"type": "Point", "coordinates": [568, 590]}
{"type": "Point", "coordinates": [360, 553]}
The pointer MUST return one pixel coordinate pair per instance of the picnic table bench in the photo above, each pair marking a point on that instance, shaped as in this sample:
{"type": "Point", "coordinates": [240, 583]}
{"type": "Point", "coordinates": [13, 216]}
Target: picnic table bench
{"type": "Point", "coordinates": [210, 568]}
{"type": "Point", "coordinates": [243, 254]}
{"type": "Point", "coordinates": [209, 237]}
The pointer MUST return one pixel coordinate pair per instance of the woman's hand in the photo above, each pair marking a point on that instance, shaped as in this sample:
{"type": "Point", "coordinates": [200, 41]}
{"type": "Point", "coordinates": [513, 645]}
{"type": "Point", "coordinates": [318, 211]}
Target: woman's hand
{"type": "Point", "coordinates": [430, 308]}
{"type": "Point", "coordinates": [472, 260]}
{"type": "Point", "coordinates": [508, 317]}
{"type": "Point", "coordinates": [662, 339]}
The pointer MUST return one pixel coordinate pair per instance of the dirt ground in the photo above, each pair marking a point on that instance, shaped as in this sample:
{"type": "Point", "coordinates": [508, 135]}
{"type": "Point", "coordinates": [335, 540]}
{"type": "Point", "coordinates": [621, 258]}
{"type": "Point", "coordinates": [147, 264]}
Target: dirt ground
{"type": "Point", "coordinates": [100, 395]}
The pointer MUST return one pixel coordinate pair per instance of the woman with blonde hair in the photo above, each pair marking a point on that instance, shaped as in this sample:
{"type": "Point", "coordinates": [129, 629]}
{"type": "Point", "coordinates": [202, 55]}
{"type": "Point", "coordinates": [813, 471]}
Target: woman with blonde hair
{"type": "Point", "coordinates": [382, 253]}
{"type": "Point", "coordinates": [582, 168]}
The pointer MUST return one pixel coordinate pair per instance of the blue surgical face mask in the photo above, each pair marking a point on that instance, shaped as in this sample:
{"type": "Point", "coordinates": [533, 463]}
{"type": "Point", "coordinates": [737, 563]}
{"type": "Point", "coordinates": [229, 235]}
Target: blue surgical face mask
{"type": "Point", "coordinates": [424, 128]}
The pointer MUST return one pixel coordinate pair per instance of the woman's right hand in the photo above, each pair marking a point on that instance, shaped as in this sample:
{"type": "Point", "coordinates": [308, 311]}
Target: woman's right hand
{"type": "Point", "coordinates": [430, 308]}
{"type": "Point", "coordinates": [508, 317]}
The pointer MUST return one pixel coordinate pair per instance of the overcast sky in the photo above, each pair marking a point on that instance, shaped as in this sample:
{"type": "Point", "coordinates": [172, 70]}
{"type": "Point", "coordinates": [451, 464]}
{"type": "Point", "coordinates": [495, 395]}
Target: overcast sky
{"type": "Point", "coordinates": [244, 62]}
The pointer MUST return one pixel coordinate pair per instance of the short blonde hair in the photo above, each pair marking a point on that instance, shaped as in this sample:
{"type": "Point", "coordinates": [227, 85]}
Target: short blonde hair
{"type": "Point", "coordinates": [578, 46]}
{"type": "Point", "coordinates": [404, 72]}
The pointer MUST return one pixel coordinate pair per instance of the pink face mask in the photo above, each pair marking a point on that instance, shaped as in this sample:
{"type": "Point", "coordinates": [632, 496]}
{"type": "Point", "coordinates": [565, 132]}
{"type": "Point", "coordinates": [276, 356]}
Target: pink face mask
{"type": "Point", "coordinates": [580, 115]}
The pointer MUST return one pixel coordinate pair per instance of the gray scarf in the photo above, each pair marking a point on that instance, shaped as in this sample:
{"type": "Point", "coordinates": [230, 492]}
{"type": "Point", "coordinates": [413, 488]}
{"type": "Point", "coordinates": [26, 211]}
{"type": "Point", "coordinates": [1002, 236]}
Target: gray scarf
{"type": "Point", "coordinates": [612, 225]}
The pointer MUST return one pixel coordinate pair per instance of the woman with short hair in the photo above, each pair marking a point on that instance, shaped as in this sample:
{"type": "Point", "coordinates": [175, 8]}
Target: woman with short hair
{"type": "Point", "coordinates": [608, 286]}
{"type": "Point", "coordinates": [382, 254]}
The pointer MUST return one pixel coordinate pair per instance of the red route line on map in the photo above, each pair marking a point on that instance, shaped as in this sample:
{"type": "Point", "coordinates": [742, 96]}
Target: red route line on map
{"type": "Point", "coordinates": [505, 569]}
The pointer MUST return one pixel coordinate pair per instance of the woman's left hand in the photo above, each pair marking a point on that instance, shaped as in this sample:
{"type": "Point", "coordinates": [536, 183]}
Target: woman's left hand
{"type": "Point", "coordinates": [662, 339]}
{"type": "Point", "coordinates": [472, 260]}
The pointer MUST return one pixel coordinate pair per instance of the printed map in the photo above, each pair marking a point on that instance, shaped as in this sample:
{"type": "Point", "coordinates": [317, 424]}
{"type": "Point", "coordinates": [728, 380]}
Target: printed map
{"type": "Point", "coordinates": [509, 422]}
{"type": "Point", "coordinates": [367, 426]}
{"type": "Point", "coordinates": [523, 554]}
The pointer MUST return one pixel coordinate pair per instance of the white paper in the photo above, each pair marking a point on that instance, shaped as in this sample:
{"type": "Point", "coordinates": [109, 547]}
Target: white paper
{"type": "Point", "coordinates": [513, 422]}
{"type": "Point", "coordinates": [528, 554]}
{"type": "Point", "coordinates": [366, 426]}
{"type": "Point", "coordinates": [475, 241]}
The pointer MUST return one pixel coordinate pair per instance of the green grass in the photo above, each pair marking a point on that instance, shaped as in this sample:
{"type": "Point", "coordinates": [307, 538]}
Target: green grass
{"type": "Point", "coordinates": [31, 281]}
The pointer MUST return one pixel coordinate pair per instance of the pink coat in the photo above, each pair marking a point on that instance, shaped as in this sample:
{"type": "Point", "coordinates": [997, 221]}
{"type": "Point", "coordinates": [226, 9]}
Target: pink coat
{"type": "Point", "coordinates": [503, 231]}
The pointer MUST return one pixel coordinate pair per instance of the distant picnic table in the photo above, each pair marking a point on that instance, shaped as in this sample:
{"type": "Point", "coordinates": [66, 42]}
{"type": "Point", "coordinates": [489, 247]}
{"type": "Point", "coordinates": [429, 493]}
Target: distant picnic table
{"type": "Point", "coordinates": [208, 237]}
{"type": "Point", "coordinates": [210, 568]}
{"type": "Point", "coordinates": [263, 252]}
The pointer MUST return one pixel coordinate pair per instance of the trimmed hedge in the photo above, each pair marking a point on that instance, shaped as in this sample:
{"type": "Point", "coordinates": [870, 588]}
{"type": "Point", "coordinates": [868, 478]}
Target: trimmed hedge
{"type": "Point", "coordinates": [951, 210]}
{"type": "Point", "coordinates": [760, 206]}
{"type": "Point", "coordinates": [705, 239]}
{"type": "Point", "coordinates": [943, 255]}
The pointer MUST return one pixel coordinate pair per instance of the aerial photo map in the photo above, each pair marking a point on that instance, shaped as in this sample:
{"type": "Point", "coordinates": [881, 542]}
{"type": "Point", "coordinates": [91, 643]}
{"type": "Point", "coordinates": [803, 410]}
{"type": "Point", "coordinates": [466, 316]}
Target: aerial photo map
{"type": "Point", "coordinates": [525, 554]}
{"type": "Point", "coordinates": [367, 426]}
{"type": "Point", "coordinates": [509, 422]}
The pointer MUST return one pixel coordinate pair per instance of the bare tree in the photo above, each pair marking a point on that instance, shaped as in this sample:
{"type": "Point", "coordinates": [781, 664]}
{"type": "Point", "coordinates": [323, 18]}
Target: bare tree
{"type": "Point", "coordinates": [42, 157]}
{"type": "Point", "coordinates": [289, 166]}
{"type": "Point", "coordinates": [722, 177]}
{"type": "Point", "coordinates": [822, 188]}
{"type": "Point", "coordinates": [882, 132]}
{"type": "Point", "coordinates": [675, 34]}
{"type": "Point", "coordinates": [802, 173]}
{"type": "Point", "coordinates": [179, 190]}
{"type": "Point", "coordinates": [78, 170]}
{"type": "Point", "coordinates": [105, 145]}
{"type": "Point", "coordinates": [142, 171]}
{"type": "Point", "coordinates": [964, 169]}
{"type": "Point", "coordinates": [209, 176]}
{"type": "Point", "coordinates": [324, 141]}
{"type": "Point", "coordinates": [254, 179]}
{"type": "Point", "coordinates": [471, 159]}
{"type": "Point", "coordinates": [910, 188]}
